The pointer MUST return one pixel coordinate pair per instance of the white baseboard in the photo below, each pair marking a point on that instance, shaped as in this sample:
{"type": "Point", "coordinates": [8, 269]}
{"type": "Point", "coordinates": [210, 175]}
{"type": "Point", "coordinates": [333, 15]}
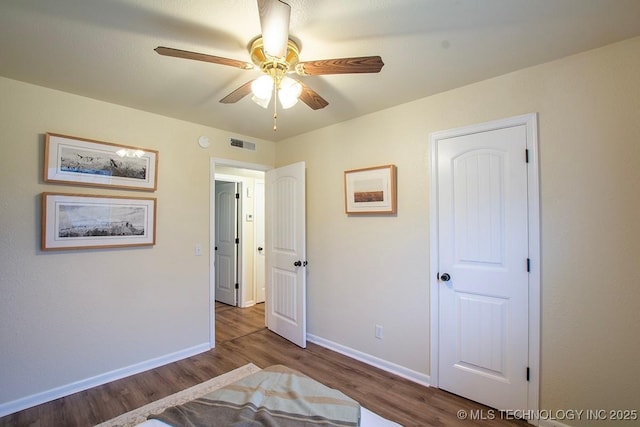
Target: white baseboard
{"type": "Point", "coordinates": [66, 390]}
{"type": "Point", "coordinates": [385, 365]}
{"type": "Point", "coordinates": [401, 371]}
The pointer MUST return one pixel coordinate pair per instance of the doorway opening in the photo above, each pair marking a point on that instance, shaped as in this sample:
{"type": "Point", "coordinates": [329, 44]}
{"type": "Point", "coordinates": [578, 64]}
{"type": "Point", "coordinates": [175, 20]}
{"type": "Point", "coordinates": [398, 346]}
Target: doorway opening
{"type": "Point", "coordinates": [237, 256]}
{"type": "Point", "coordinates": [239, 237]}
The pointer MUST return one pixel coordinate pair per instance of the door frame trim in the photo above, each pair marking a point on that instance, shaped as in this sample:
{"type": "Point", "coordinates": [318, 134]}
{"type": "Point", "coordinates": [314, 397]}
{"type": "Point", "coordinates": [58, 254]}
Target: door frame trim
{"type": "Point", "coordinates": [533, 197]}
{"type": "Point", "coordinates": [213, 161]}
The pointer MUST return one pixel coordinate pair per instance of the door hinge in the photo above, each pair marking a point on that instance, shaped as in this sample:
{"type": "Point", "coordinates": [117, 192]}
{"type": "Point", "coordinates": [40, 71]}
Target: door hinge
{"type": "Point", "coordinates": [237, 195]}
{"type": "Point", "coordinates": [237, 286]}
{"type": "Point", "coordinates": [526, 155]}
{"type": "Point", "coordinates": [528, 373]}
{"type": "Point", "coordinates": [237, 240]}
{"type": "Point", "coordinates": [528, 265]}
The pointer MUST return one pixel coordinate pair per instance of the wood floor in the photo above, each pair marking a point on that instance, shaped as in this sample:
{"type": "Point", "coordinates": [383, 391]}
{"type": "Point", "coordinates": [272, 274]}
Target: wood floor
{"type": "Point", "coordinates": [240, 339]}
{"type": "Point", "coordinates": [233, 322]}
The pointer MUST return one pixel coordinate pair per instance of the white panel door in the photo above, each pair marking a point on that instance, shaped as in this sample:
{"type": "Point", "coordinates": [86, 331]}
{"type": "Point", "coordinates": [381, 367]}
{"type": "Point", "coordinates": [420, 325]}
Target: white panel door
{"type": "Point", "coordinates": [286, 253]}
{"type": "Point", "coordinates": [226, 260]}
{"type": "Point", "coordinates": [483, 251]}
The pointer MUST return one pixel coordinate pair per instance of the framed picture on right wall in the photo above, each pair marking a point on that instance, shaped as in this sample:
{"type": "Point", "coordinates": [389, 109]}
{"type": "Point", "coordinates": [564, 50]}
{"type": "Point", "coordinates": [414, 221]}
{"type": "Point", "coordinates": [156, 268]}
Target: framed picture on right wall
{"type": "Point", "coordinates": [370, 190]}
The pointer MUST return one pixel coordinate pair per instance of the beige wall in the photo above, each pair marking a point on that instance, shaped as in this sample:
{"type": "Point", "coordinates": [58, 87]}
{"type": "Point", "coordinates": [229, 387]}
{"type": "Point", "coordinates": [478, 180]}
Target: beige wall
{"type": "Point", "coordinates": [367, 271]}
{"type": "Point", "coordinates": [71, 315]}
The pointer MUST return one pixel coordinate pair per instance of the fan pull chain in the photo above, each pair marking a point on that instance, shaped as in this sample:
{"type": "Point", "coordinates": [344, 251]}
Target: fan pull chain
{"type": "Point", "coordinates": [275, 105]}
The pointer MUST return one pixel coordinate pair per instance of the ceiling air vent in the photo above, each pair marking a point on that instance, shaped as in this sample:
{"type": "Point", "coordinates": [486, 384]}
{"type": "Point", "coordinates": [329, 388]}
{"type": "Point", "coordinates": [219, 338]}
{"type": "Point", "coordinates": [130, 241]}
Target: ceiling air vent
{"type": "Point", "coordinates": [246, 145]}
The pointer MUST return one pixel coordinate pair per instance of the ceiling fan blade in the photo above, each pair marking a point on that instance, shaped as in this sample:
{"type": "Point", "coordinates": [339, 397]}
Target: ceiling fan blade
{"type": "Point", "coordinates": [362, 64]}
{"type": "Point", "coordinates": [185, 54]}
{"type": "Point", "coordinates": [238, 94]}
{"type": "Point", "coordinates": [311, 98]}
{"type": "Point", "coordinates": [274, 21]}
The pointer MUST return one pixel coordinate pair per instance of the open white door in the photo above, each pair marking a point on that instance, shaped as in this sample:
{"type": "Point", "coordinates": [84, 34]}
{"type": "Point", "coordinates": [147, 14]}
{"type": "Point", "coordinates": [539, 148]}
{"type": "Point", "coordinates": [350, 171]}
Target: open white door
{"type": "Point", "coordinates": [226, 260]}
{"type": "Point", "coordinates": [286, 305]}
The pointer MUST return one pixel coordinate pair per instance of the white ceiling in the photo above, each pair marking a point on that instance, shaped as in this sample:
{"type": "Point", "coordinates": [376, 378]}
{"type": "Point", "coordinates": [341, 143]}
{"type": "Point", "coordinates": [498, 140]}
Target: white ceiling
{"type": "Point", "coordinates": [103, 49]}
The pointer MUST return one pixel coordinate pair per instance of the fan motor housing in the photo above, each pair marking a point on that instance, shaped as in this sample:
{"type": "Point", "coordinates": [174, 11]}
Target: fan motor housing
{"type": "Point", "coordinates": [268, 63]}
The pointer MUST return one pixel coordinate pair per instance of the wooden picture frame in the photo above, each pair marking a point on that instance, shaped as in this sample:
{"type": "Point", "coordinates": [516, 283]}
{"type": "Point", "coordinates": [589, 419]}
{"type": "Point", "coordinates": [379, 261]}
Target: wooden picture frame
{"type": "Point", "coordinates": [80, 221]}
{"type": "Point", "coordinates": [81, 161]}
{"type": "Point", "coordinates": [370, 190]}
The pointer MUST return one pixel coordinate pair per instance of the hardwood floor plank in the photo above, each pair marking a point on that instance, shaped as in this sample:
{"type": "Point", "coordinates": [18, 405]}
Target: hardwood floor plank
{"type": "Point", "coordinates": [247, 341]}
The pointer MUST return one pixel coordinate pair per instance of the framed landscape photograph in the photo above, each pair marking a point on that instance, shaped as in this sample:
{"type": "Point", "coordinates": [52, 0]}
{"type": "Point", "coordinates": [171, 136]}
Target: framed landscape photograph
{"type": "Point", "coordinates": [75, 221]}
{"type": "Point", "coordinates": [370, 190]}
{"type": "Point", "coordinates": [68, 159]}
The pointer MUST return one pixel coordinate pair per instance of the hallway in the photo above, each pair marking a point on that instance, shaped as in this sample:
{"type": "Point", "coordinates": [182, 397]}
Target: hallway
{"type": "Point", "coordinates": [234, 322]}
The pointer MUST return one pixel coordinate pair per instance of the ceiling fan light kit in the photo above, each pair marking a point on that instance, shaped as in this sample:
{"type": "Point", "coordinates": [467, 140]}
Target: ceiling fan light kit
{"type": "Point", "coordinates": [276, 55]}
{"type": "Point", "coordinates": [275, 80]}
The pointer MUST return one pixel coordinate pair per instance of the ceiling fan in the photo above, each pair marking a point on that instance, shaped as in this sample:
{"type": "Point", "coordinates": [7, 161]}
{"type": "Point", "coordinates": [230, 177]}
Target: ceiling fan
{"type": "Point", "coordinates": [276, 55]}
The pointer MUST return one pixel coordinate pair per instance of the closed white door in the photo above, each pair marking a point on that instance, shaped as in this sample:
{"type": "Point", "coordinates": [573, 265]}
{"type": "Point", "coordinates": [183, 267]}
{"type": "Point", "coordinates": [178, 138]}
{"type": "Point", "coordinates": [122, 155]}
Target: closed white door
{"type": "Point", "coordinates": [483, 263]}
{"type": "Point", "coordinates": [226, 255]}
{"type": "Point", "coordinates": [286, 253]}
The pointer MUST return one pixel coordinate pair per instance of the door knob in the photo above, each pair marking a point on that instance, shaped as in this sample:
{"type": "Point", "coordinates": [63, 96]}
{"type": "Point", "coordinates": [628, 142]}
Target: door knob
{"type": "Point", "coordinates": [445, 277]}
{"type": "Point", "coordinates": [298, 263]}
{"type": "Point", "coordinates": [260, 248]}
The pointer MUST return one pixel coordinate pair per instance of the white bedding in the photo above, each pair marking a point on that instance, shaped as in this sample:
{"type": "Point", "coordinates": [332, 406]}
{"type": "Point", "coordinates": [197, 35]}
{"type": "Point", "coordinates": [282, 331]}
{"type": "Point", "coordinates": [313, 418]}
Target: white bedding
{"type": "Point", "coordinates": [370, 419]}
{"type": "Point", "coordinates": [367, 419]}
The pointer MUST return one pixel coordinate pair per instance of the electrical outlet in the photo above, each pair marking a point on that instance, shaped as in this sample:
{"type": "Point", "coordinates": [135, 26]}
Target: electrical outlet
{"type": "Point", "coordinates": [379, 332]}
